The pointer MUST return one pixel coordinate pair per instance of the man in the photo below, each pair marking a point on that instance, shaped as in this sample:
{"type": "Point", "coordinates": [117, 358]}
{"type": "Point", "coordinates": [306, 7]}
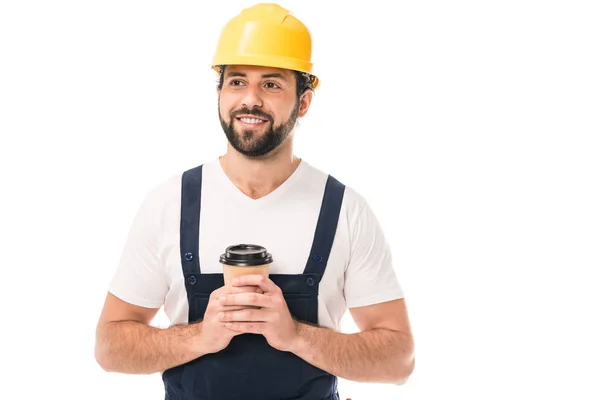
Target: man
{"type": "Point", "coordinates": [257, 338]}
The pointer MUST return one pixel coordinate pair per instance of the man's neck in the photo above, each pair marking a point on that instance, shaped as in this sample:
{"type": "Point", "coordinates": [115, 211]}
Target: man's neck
{"type": "Point", "coordinates": [258, 177]}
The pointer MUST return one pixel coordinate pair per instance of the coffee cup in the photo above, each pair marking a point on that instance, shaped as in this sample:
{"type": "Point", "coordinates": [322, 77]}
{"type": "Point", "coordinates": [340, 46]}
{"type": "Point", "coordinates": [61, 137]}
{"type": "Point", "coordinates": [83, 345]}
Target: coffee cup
{"type": "Point", "coordinates": [245, 259]}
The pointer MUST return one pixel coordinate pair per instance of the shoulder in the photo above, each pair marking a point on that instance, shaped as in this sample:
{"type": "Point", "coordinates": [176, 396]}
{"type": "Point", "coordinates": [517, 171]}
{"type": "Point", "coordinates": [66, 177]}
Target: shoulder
{"type": "Point", "coordinates": [167, 192]}
{"type": "Point", "coordinates": [353, 201]}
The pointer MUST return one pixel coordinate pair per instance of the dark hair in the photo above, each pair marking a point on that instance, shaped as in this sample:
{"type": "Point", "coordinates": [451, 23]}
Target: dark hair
{"type": "Point", "coordinates": [303, 80]}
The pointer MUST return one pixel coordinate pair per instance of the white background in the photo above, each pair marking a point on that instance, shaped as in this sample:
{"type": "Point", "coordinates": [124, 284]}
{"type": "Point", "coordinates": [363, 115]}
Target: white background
{"type": "Point", "coordinates": [471, 127]}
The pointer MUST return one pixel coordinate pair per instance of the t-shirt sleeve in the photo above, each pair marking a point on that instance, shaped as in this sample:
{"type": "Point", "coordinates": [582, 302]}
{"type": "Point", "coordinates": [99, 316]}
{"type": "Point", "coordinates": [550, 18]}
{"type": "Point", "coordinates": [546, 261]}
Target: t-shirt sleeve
{"type": "Point", "coordinates": [140, 277]}
{"type": "Point", "coordinates": [370, 277]}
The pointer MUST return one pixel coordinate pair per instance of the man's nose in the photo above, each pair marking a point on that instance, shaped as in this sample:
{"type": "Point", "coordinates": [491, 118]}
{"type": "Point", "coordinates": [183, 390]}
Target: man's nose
{"type": "Point", "coordinates": [252, 98]}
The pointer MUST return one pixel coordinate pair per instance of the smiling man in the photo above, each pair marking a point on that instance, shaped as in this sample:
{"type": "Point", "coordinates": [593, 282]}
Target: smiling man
{"type": "Point", "coordinates": [257, 338]}
{"type": "Point", "coordinates": [258, 134]}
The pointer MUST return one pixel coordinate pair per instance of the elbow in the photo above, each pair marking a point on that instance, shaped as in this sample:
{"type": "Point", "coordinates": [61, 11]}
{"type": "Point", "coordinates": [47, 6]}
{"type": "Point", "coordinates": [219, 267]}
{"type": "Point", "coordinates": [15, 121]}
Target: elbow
{"type": "Point", "coordinates": [101, 359]}
{"type": "Point", "coordinates": [101, 355]}
{"type": "Point", "coordinates": [404, 371]}
{"type": "Point", "coordinates": [405, 361]}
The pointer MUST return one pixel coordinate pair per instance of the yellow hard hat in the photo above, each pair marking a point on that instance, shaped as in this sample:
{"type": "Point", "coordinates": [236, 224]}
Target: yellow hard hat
{"type": "Point", "coordinates": [266, 35]}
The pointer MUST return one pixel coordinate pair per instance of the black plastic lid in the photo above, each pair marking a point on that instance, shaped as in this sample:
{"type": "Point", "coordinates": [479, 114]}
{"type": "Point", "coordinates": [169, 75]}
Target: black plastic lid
{"type": "Point", "coordinates": [245, 255]}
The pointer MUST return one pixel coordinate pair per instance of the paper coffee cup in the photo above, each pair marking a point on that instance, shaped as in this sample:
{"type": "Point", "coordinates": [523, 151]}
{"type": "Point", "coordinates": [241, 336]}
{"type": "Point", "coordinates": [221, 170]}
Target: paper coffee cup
{"type": "Point", "coordinates": [245, 259]}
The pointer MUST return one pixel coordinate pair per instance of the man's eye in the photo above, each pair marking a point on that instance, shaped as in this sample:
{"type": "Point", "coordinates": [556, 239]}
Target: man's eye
{"type": "Point", "coordinates": [272, 85]}
{"type": "Point", "coordinates": [236, 82]}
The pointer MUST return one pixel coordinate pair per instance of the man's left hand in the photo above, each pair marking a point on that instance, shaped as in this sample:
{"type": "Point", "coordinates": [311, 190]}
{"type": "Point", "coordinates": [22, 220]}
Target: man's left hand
{"type": "Point", "coordinates": [271, 317]}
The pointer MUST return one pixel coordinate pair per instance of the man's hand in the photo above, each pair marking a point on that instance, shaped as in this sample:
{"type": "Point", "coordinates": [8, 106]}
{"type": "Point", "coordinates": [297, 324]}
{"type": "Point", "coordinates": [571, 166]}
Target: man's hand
{"type": "Point", "coordinates": [272, 320]}
{"type": "Point", "coordinates": [214, 336]}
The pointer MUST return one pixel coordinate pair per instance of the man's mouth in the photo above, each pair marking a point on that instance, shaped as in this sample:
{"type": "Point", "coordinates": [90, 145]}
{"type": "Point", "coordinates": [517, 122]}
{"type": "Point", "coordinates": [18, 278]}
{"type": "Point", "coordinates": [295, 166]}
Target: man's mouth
{"type": "Point", "coordinates": [251, 121]}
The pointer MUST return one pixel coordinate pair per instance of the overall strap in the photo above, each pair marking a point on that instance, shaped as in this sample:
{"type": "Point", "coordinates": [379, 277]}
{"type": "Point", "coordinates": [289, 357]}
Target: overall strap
{"type": "Point", "coordinates": [189, 231]}
{"type": "Point", "coordinates": [326, 227]}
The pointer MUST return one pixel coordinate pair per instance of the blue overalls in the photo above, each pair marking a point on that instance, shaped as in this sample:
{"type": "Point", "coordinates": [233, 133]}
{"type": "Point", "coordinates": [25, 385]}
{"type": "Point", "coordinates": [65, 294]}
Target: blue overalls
{"type": "Point", "coordinates": [249, 368]}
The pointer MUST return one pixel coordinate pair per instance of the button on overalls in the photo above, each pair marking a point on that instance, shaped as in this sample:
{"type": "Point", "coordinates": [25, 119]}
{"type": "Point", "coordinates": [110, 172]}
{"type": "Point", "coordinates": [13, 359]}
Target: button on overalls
{"type": "Point", "coordinates": [249, 368]}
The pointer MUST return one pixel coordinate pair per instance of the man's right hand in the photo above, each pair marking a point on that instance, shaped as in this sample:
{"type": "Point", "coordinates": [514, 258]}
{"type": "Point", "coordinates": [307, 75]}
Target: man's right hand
{"type": "Point", "coordinates": [214, 337]}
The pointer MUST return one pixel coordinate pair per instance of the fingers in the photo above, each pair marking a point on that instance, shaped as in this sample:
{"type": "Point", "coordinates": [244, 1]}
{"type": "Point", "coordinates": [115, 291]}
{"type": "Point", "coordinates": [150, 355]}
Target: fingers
{"type": "Point", "coordinates": [267, 285]}
{"type": "Point", "coordinates": [225, 290]}
{"type": "Point", "coordinates": [246, 315]}
{"type": "Point", "coordinates": [247, 299]}
{"type": "Point", "coordinates": [231, 308]}
{"type": "Point", "coordinates": [215, 307]}
{"type": "Point", "coordinates": [246, 327]}
{"type": "Point", "coordinates": [244, 289]}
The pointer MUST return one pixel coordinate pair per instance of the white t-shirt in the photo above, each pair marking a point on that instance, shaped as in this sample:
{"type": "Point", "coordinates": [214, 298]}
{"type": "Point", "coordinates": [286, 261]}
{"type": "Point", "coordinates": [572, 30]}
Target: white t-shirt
{"type": "Point", "coordinates": [359, 271]}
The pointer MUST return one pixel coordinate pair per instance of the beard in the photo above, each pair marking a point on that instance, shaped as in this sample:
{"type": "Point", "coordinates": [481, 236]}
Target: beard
{"type": "Point", "coordinates": [249, 142]}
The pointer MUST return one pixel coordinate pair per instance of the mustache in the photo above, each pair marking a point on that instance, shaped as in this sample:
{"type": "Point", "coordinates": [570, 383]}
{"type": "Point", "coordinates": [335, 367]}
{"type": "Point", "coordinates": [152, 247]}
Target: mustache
{"type": "Point", "coordinates": [254, 111]}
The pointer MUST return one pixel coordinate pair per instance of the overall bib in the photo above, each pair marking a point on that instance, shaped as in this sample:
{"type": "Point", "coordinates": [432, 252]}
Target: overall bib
{"type": "Point", "coordinates": [249, 368]}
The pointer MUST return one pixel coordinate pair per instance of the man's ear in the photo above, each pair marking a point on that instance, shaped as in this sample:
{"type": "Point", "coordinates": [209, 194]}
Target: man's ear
{"type": "Point", "coordinates": [305, 101]}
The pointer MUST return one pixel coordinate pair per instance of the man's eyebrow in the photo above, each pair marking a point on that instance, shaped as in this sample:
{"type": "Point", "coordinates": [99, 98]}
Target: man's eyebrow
{"type": "Point", "coordinates": [234, 73]}
{"type": "Point", "coordinates": [275, 75]}
{"type": "Point", "coordinates": [270, 75]}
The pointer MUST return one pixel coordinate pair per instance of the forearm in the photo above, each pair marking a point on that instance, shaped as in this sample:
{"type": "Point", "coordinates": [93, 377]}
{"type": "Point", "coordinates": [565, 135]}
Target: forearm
{"type": "Point", "coordinates": [378, 355]}
{"type": "Point", "coordinates": [136, 348]}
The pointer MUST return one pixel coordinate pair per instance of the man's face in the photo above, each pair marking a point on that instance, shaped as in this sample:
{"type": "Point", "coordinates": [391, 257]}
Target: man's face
{"type": "Point", "coordinates": [258, 108]}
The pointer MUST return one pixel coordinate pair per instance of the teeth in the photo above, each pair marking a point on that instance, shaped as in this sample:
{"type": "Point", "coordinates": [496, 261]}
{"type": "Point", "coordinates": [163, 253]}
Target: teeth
{"type": "Point", "coordinates": [251, 120]}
